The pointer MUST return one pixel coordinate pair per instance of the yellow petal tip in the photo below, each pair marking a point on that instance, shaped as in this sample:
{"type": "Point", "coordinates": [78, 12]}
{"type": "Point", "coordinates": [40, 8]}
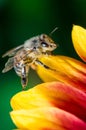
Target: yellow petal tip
{"type": "Point", "coordinates": [79, 41]}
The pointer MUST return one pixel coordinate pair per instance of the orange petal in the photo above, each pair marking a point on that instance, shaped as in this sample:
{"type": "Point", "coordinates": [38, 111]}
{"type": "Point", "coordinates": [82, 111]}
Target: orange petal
{"type": "Point", "coordinates": [46, 118]}
{"type": "Point", "coordinates": [79, 41]}
{"type": "Point", "coordinates": [63, 68]}
{"type": "Point", "coordinates": [55, 94]}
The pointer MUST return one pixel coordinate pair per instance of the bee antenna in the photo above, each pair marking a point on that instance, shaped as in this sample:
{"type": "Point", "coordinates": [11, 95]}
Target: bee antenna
{"type": "Point", "coordinates": [53, 31]}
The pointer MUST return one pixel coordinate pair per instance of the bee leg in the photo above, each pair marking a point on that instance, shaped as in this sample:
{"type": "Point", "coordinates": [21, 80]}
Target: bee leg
{"type": "Point", "coordinates": [24, 77]}
{"type": "Point", "coordinates": [33, 66]}
{"type": "Point", "coordinates": [42, 64]}
{"type": "Point", "coordinates": [24, 81]}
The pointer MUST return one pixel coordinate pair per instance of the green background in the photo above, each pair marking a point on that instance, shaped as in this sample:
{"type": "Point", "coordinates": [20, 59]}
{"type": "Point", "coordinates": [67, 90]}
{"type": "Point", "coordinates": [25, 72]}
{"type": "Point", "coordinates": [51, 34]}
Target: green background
{"type": "Point", "coordinates": [22, 19]}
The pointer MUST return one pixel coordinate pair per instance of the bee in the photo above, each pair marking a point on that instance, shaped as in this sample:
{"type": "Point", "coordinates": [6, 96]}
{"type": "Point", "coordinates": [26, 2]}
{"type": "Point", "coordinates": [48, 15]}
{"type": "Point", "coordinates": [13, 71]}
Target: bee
{"type": "Point", "coordinates": [24, 56]}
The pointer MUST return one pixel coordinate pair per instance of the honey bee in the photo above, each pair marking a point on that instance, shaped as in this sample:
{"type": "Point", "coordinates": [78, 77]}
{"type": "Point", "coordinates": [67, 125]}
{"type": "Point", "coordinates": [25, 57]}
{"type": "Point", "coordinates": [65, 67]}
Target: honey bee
{"type": "Point", "coordinates": [27, 54]}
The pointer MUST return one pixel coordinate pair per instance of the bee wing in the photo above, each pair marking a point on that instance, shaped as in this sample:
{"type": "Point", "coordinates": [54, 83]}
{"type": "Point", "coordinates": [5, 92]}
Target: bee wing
{"type": "Point", "coordinates": [13, 51]}
{"type": "Point", "coordinates": [9, 65]}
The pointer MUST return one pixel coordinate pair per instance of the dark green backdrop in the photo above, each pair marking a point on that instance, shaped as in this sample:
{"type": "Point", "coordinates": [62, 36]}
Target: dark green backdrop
{"type": "Point", "coordinates": [22, 19]}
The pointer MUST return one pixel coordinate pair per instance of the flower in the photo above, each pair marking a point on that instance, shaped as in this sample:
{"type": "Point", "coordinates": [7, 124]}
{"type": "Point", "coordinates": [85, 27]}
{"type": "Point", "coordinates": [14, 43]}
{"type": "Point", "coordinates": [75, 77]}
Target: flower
{"type": "Point", "coordinates": [50, 106]}
{"type": "Point", "coordinates": [60, 103]}
{"type": "Point", "coordinates": [64, 69]}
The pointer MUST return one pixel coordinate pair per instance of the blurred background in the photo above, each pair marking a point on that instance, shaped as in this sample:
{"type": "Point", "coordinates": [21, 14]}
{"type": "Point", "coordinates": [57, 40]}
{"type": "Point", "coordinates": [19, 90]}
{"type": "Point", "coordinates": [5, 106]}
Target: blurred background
{"type": "Point", "coordinates": [22, 19]}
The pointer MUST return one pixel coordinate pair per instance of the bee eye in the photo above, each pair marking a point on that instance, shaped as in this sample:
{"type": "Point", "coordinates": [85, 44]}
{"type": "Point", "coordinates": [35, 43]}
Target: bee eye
{"type": "Point", "coordinates": [44, 44]}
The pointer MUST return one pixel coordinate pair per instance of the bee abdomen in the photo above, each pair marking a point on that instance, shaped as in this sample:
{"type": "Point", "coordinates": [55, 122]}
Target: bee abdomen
{"type": "Point", "coordinates": [18, 69]}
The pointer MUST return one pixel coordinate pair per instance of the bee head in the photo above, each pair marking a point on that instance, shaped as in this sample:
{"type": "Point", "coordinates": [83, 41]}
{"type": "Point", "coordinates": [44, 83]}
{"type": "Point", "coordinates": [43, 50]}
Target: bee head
{"type": "Point", "coordinates": [47, 43]}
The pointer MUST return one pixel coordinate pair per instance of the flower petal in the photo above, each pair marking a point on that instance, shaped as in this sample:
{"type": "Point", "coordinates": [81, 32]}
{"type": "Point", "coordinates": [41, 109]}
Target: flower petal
{"type": "Point", "coordinates": [47, 118]}
{"type": "Point", "coordinates": [63, 68]}
{"type": "Point", "coordinates": [29, 100]}
{"type": "Point", "coordinates": [55, 94]}
{"type": "Point", "coordinates": [79, 41]}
